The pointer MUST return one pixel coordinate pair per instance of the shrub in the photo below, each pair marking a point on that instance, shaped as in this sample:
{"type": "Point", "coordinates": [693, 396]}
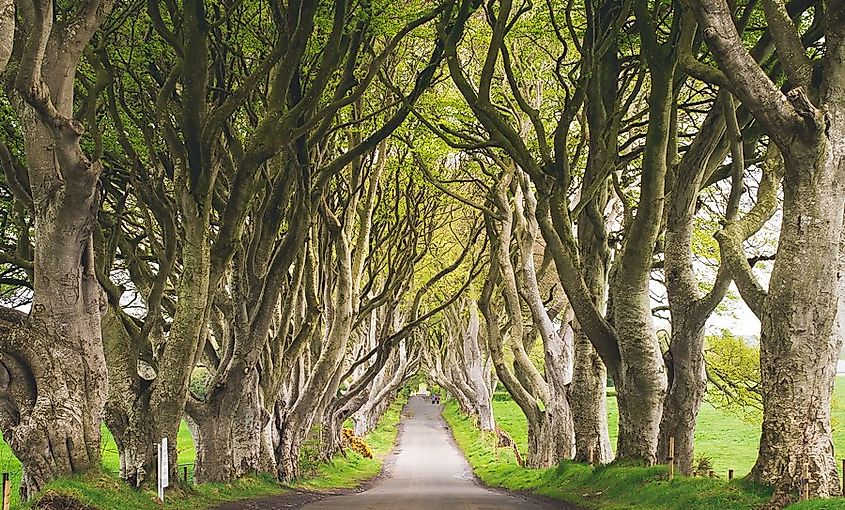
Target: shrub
{"type": "Point", "coordinates": [356, 444]}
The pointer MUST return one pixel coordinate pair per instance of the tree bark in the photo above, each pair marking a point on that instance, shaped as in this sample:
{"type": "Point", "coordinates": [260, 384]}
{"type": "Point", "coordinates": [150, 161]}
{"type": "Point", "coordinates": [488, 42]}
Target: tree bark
{"type": "Point", "coordinates": [640, 375]}
{"type": "Point", "coordinates": [688, 387]}
{"type": "Point", "coordinates": [7, 31]}
{"type": "Point", "coordinates": [231, 432]}
{"type": "Point", "coordinates": [558, 345]}
{"type": "Point", "coordinates": [53, 374]}
{"type": "Point", "coordinates": [128, 415]}
{"type": "Point", "coordinates": [798, 343]}
{"type": "Point", "coordinates": [169, 390]}
{"type": "Point", "coordinates": [588, 399]}
{"type": "Point", "coordinates": [475, 368]}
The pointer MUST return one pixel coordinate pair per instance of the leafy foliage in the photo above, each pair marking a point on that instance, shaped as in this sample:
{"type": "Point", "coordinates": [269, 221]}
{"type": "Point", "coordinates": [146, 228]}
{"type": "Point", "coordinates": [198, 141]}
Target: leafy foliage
{"type": "Point", "coordinates": [733, 369]}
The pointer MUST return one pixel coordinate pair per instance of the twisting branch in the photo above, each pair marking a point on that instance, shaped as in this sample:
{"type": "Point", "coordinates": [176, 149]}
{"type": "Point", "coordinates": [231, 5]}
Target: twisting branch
{"type": "Point", "coordinates": [736, 232]}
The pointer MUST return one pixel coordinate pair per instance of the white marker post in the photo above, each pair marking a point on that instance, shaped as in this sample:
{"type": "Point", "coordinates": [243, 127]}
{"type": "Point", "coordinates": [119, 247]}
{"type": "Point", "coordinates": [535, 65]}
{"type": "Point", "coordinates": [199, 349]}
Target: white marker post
{"type": "Point", "coordinates": [163, 468]}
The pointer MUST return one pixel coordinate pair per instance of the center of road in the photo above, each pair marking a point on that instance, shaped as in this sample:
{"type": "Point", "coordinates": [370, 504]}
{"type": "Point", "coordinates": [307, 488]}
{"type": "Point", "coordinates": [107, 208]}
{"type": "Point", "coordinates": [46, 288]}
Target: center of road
{"type": "Point", "coordinates": [427, 471]}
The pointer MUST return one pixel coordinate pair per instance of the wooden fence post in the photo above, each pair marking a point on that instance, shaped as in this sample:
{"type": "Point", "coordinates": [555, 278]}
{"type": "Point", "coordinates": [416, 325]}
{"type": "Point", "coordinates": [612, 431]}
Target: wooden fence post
{"type": "Point", "coordinates": [805, 482]}
{"type": "Point", "coordinates": [730, 474]}
{"type": "Point", "coordinates": [671, 458]}
{"type": "Point", "coordinates": [7, 491]}
{"type": "Point", "coordinates": [185, 474]}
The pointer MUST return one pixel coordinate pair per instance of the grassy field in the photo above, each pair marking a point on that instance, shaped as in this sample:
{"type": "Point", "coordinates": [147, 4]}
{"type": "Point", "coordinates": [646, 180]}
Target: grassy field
{"type": "Point", "coordinates": [729, 442]}
{"type": "Point", "coordinates": [107, 492]}
{"type": "Point", "coordinates": [613, 487]}
{"type": "Point", "coordinates": [111, 461]}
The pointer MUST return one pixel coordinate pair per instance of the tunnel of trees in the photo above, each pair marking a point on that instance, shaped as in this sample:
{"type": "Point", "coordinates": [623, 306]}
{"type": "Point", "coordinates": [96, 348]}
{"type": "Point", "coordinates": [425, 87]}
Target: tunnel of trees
{"type": "Point", "coordinates": [266, 217]}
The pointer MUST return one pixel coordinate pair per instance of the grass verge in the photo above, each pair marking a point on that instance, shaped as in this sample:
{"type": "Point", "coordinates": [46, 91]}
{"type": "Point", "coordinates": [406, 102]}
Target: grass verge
{"type": "Point", "coordinates": [612, 487]}
{"type": "Point", "coordinates": [722, 438]}
{"type": "Point", "coordinates": [106, 492]}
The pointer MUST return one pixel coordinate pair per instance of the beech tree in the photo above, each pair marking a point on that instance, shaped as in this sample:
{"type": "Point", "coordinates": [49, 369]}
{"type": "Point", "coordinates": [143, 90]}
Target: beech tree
{"type": "Point", "coordinates": [630, 341]}
{"type": "Point", "coordinates": [800, 338]}
{"type": "Point", "coordinates": [457, 358]}
{"type": "Point", "coordinates": [541, 396]}
{"type": "Point", "coordinates": [53, 368]}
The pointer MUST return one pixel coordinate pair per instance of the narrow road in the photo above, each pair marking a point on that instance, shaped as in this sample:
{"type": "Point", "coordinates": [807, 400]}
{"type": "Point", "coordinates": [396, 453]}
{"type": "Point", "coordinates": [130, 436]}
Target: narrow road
{"type": "Point", "coordinates": [427, 471]}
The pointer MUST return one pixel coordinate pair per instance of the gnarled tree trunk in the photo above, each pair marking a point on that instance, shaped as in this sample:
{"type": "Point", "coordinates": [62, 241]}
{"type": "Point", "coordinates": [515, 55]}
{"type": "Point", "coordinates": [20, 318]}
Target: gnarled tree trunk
{"type": "Point", "coordinates": [127, 411]}
{"type": "Point", "coordinates": [475, 368]}
{"type": "Point", "coordinates": [53, 374]}
{"type": "Point", "coordinates": [799, 343]}
{"type": "Point", "coordinates": [231, 431]}
{"type": "Point", "coordinates": [588, 400]}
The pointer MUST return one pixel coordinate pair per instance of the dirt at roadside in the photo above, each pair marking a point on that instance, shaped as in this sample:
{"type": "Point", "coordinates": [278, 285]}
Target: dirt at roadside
{"type": "Point", "coordinates": [293, 499]}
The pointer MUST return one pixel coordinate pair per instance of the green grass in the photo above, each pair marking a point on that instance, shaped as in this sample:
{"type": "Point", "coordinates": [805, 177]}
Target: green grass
{"type": "Point", "coordinates": [833, 504]}
{"type": "Point", "coordinates": [352, 469]}
{"type": "Point", "coordinates": [613, 487]}
{"type": "Point", "coordinates": [107, 492]}
{"type": "Point", "coordinates": [110, 459]}
{"type": "Point", "coordinates": [728, 441]}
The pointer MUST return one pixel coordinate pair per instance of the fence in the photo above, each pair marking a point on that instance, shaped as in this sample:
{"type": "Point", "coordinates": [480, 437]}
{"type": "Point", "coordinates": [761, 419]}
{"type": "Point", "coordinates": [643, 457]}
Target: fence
{"type": "Point", "coordinates": [805, 472]}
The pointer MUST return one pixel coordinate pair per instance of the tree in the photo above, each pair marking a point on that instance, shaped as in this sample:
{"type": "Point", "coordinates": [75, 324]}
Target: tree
{"type": "Point", "coordinates": [53, 369]}
{"type": "Point", "coordinates": [629, 347]}
{"type": "Point", "coordinates": [799, 342]}
{"type": "Point", "coordinates": [456, 359]}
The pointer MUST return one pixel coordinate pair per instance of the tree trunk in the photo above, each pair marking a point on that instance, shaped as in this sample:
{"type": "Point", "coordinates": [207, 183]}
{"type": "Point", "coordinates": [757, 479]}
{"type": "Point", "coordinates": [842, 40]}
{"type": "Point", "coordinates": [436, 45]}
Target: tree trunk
{"type": "Point", "coordinates": [231, 432]}
{"type": "Point", "coordinates": [640, 375]}
{"type": "Point", "coordinates": [53, 375]}
{"type": "Point", "coordinates": [127, 411]}
{"type": "Point", "coordinates": [588, 391]}
{"type": "Point", "coordinates": [474, 362]}
{"type": "Point", "coordinates": [800, 343]}
{"type": "Point", "coordinates": [541, 443]}
{"type": "Point", "coordinates": [331, 428]}
{"type": "Point", "coordinates": [367, 418]}
{"type": "Point", "coordinates": [640, 386]}
{"type": "Point", "coordinates": [7, 31]}
{"type": "Point", "coordinates": [588, 399]}
{"type": "Point", "coordinates": [169, 389]}
{"type": "Point", "coordinates": [687, 389]}
{"type": "Point", "coordinates": [685, 364]}
{"type": "Point", "coordinates": [292, 431]}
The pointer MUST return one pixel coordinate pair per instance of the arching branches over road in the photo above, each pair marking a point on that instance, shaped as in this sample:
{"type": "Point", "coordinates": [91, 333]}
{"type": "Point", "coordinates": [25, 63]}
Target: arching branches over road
{"type": "Point", "coordinates": [265, 218]}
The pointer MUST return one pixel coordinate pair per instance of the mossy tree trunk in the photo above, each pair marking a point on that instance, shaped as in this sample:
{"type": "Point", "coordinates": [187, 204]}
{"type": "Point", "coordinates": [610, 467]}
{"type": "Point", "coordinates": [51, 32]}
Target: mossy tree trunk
{"type": "Point", "coordinates": [799, 341]}
{"type": "Point", "coordinates": [53, 374]}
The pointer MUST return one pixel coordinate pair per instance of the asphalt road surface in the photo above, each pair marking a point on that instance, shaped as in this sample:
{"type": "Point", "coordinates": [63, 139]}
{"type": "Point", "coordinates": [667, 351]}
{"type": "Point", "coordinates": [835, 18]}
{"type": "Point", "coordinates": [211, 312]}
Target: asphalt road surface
{"type": "Point", "coordinates": [427, 472]}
